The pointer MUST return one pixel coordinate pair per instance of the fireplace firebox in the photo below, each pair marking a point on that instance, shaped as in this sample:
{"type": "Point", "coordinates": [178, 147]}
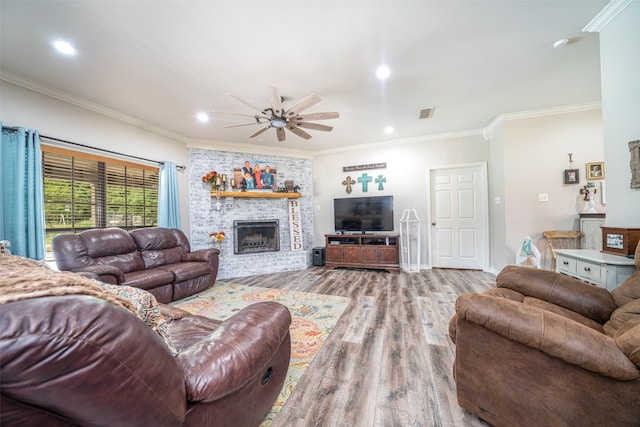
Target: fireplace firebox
{"type": "Point", "coordinates": [252, 237]}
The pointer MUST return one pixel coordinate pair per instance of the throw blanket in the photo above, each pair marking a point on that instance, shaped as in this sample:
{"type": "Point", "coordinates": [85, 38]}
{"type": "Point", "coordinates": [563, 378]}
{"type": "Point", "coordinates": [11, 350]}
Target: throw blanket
{"type": "Point", "coordinates": [24, 278]}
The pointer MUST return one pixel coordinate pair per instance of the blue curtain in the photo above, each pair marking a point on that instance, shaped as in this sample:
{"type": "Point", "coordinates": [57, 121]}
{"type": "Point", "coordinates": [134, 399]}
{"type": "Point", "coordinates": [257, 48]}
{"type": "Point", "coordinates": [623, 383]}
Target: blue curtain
{"type": "Point", "coordinates": [168, 200]}
{"type": "Point", "coordinates": [22, 192]}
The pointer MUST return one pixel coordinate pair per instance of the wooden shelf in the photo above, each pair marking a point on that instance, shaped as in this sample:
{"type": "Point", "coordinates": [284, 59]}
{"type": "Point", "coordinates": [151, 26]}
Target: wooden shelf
{"type": "Point", "coordinates": [257, 194]}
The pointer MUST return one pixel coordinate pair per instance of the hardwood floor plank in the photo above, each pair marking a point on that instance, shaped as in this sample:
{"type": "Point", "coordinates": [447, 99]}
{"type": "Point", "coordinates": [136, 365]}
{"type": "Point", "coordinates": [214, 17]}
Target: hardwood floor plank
{"type": "Point", "coordinates": [392, 407]}
{"type": "Point", "coordinates": [358, 321]}
{"type": "Point", "coordinates": [362, 389]}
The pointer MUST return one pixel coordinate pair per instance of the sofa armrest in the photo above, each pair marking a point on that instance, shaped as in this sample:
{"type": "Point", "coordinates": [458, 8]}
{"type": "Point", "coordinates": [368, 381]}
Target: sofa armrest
{"type": "Point", "coordinates": [100, 270]}
{"type": "Point", "coordinates": [548, 332]}
{"type": "Point", "coordinates": [238, 350]}
{"type": "Point", "coordinates": [202, 255]}
{"type": "Point", "coordinates": [588, 300]}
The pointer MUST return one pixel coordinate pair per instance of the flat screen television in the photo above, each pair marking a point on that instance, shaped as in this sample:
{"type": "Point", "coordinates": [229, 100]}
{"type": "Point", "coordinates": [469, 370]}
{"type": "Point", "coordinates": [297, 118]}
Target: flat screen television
{"type": "Point", "coordinates": [363, 214]}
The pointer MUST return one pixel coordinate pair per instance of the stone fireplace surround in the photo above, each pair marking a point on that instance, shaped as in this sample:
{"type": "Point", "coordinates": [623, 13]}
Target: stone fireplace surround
{"type": "Point", "coordinates": [205, 218]}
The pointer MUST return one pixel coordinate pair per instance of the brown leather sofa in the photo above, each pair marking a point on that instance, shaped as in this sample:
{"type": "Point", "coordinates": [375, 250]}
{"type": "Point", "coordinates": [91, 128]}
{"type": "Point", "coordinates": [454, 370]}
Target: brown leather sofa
{"type": "Point", "coordinates": [80, 360]}
{"type": "Point", "coordinates": [158, 260]}
{"type": "Point", "coordinates": [544, 349]}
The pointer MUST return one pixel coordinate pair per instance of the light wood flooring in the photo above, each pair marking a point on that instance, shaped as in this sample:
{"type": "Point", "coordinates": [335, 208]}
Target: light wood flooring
{"type": "Point", "coordinates": [388, 362]}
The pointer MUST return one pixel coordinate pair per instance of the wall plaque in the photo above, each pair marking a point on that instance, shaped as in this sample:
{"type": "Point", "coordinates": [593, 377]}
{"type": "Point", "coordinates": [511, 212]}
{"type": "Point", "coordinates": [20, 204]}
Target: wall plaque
{"type": "Point", "coordinates": [364, 167]}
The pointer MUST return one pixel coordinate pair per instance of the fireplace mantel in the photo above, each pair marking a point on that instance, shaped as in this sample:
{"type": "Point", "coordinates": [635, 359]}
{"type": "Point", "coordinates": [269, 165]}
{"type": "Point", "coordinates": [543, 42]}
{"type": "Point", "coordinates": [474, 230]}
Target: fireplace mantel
{"type": "Point", "coordinates": [257, 194]}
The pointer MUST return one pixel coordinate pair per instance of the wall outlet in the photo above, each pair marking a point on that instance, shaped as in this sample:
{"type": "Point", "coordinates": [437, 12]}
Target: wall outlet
{"type": "Point", "coordinates": [543, 197]}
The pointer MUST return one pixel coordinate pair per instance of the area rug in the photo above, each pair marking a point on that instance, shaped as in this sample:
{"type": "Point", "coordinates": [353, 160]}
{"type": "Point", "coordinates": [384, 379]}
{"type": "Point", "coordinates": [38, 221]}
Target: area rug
{"type": "Point", "coordinates": [313, 318]}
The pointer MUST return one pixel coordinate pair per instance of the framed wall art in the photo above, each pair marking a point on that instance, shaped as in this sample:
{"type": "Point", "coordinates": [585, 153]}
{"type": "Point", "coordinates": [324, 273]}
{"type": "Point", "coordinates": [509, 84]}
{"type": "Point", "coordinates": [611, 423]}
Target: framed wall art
{"type": "Point", "coordinates": [255, 175]}
{"type": "Point", "coordinates": [571, 176]}
{"type": "Point", "coordinates": [595, 170]}
{"type": "Point", "coordinates": [634, 152]}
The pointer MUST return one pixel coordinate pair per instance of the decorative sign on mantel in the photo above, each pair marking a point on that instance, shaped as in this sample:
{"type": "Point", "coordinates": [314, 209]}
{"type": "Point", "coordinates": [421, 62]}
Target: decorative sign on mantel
{"type": "Point", "coordinates": [295, 225]}
{"type": "Point", "coordinates": [364, 167]}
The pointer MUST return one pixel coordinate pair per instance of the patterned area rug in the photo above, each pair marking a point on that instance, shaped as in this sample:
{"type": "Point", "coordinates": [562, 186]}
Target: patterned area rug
{"type": "Point", "coordinates": [313, 318]}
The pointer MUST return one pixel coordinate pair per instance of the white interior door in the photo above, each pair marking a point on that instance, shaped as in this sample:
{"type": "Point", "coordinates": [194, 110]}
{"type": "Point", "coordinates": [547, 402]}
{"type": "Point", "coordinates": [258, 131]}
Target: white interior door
{"type": "Point", "coordinates": [459, 217]}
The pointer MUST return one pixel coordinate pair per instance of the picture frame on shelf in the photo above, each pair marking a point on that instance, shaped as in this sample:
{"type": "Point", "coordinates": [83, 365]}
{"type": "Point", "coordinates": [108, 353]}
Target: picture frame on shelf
{"type": "Point", "coordinates": [571, 176]}
{"type": "Point", "coordinates": [255, 175]}
{"type": "Point", "coordinates": [595, 170]}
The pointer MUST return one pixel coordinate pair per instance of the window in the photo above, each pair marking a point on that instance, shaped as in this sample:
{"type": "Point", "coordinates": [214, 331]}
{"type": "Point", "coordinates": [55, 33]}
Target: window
{"type": "Point", "coordinates": [83, 191]}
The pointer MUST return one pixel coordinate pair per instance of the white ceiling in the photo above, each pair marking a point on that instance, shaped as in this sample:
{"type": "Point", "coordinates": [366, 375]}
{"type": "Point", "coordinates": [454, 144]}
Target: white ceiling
{"type": "Point", "coordinates": [162, 62]}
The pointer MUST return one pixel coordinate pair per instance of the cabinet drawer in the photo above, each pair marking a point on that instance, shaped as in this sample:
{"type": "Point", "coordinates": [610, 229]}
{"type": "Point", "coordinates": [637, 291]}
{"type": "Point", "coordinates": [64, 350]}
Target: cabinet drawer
{"type": "Point", "coordinates": [589, 271]}
{"type": "Point", "coordinates": [566, 265]}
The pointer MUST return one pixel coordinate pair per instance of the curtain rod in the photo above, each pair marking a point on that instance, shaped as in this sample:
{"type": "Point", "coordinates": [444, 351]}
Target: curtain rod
{"type": "Point", "coordinates": [181, 168]}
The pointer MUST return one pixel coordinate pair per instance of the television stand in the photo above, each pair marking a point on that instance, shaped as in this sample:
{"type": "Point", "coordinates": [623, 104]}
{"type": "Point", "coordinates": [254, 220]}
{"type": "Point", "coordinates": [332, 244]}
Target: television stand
{"type": "Point", "coordinates": [375, 251]}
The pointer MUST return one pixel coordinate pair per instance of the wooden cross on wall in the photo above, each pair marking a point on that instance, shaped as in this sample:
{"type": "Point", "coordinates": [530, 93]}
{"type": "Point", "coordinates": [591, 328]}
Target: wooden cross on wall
{"type": "Point", "coordinates": [348, 182]}
{"type": "Point", "coordinates": [365, 180]}
{"type": "Point", "coordinates": [380, 180]}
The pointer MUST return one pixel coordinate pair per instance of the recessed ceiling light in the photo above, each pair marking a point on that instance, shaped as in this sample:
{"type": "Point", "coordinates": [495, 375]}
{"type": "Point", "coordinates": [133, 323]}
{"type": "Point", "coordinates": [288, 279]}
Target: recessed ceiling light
{"type": "Point", "coordinates": [388, 130]}
{"type": "Point", "coordinates": [203, 117]}
{"type": "Point", "coordinates": [64, 47]}
{"type": "Point", "coordinates": [560, 43]}
{"type": "Point", "coordinates": [383, 72]}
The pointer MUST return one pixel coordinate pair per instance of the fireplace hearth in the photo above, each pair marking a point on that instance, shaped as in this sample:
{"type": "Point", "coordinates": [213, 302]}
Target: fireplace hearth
{"type": "Point", "coordinates": [252, 237]}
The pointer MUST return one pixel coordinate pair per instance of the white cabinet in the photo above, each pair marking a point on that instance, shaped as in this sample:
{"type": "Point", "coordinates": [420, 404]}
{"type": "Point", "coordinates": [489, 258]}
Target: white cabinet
{"type": "Point", "coordinates": [590, 226]}
{"type": "Point", "coordinates": [604, 270]}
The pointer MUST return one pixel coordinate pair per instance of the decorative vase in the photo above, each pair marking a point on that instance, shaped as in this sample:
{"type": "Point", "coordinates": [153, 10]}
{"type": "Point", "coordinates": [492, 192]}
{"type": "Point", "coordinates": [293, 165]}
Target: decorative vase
{"type": "Point", "coordinates": [218, 245]}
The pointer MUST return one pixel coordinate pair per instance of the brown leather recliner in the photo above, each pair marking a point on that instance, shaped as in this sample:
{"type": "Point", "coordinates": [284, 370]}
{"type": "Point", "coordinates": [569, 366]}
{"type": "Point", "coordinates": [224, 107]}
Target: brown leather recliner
{"type": "Point", "coordinates": [544, 349]}
{"type": "Point", "coordinates": [80, 361]}
{"type": "Point", "coordinates": [158, 260]}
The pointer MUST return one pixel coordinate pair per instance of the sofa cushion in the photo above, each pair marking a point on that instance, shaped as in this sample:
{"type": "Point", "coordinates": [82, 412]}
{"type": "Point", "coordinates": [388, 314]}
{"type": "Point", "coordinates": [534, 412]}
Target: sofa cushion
{"type": "Point", "coordinates": [628, 312]}
{"type": "Point", "coordinates": [591, 301]}
{"type": "Point", "coordinates": [107, 241]}
{"type": "Point", "coordinates": [505, 293]}
{"type": "Point", "coordinates": [187, 270]}
{"type": "Point", "coordinates": [148, 279]}
{"type": "Point", "coordinates": [159, 246]}
{"type": "Point", "coordinates": [628, 339]}
{"type": "Point", "coordinates": [628, 290]}
{"type": "Point", "coordinates": [159, 257]}
{"type": "Point", "coordinates": [534, 302]}
{"type": "Point", "coordinates": [131, 261]}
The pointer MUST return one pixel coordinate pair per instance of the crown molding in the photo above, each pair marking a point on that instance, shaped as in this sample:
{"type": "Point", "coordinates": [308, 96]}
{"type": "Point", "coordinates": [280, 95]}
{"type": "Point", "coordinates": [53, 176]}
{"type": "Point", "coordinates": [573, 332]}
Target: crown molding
{"type": "Point", "coordinates": [574, 108]}
{"type": "Point", "coordinates": [26, 83]}
{"type": "Point", "coordinates": [393, 142]}
{"type": "Point", "coordinates": [606, 15]}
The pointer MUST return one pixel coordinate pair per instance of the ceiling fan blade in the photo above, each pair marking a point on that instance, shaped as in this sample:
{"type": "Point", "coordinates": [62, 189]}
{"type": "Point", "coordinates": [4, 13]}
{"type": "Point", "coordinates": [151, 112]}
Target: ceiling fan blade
{"type": "Point", "coordinates": [299, 132]}
{"type": "Point", "coordinates": [247, 103]}
{"type": "Point", "coordinates": [242, 124]}
{"type": "Point", "coordinates": [315, 126]}
{"type": "Point", "coordinates": [259, 131]}
{"type": "Point", "coordinates": [302, 105]}
{"type": "Point", "coordinates": [280, 133]}
{"type": "Point", "coordinates": [255, 116]}
{"type": "Point", "coordinates": [318, 116]}
{"type": "Point", "coordinates": [276, 100]}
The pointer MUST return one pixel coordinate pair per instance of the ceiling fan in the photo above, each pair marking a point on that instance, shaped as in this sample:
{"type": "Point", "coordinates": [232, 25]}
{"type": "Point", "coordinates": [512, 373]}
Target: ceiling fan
{"type": "Point", "coordinates": [279, 118]}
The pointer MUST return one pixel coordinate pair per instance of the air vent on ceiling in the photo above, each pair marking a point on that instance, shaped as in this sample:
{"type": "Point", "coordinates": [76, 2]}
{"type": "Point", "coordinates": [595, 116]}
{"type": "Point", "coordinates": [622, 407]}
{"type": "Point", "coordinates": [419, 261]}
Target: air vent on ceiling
{"type": "Point", "coordinates": [426, 113]}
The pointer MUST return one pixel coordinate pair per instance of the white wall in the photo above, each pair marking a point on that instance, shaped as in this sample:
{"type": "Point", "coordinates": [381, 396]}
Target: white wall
{"type": "Point", "coordinates": [62, 120]}
{"type": "Point", "coordinates": [620, 65]}
{"type": "Point", "coordinates": [406, 177]}
{"type": "Point", "coordinates": [534, 154]}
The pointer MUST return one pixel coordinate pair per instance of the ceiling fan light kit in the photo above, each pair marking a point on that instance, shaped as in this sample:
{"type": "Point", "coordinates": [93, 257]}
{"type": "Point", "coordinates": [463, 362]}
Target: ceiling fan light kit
{"type": "Point", "coordinates": [278, 118]}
